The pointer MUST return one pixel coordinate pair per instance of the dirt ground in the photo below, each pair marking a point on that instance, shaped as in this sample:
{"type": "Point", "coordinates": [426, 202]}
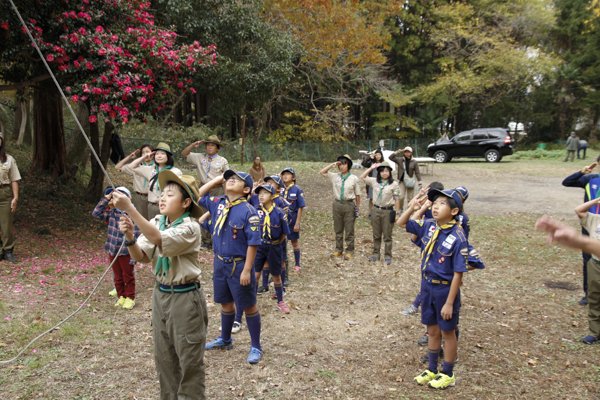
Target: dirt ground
{"type": "Point", "coordinates": [345, 338]}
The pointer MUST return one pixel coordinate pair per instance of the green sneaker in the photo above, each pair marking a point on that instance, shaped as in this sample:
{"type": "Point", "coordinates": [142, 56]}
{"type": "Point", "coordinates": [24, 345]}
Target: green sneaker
{"type": "Point", "coordinates": [442, 381]}
{"type": "Point", "coordinates": [128, 304]}
{"type": "Point", "coordinates": [120, 302]}
{"type": "Point", "coordinates": [425, 377]}
{"type": "Point", "coordinates": [113, 292]}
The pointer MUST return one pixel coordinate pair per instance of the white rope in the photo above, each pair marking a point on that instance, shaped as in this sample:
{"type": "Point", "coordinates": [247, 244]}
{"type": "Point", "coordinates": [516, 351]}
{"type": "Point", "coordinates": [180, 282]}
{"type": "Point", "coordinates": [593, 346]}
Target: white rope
{"type": "Point", "coordinates": [99, 163]}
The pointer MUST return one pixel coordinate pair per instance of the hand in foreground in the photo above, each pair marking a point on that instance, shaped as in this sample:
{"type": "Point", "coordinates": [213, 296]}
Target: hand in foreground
{"type": "Point", "coordinates": [560, 233]}
{"type": "Point", "coordinates": [120, 200]}
{"type": "Point", "coordinates": [126, 225]}
{"type": "Point", "coordinates": [589, 168]}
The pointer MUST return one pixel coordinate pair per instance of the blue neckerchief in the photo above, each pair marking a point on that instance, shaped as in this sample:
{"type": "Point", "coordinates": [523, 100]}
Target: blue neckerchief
{"type": "Point", "coordinates": [208, 166]}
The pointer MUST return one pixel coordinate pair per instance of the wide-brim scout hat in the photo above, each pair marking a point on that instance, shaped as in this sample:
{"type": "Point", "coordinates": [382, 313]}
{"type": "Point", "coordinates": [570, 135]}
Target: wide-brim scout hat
{"type": "Point", "coordinates": [121, 189]}
{"type": "Point", "coordinates": [450, 193]}
{"type": "Point", "coordinates": [268, 188]}
{"type": "Point", "coordinates": [383, 165]}
{"type": "Point", "coordinates": [164, 147]}
{"type": "Point", "coordinates": [344, 158]}
{"type": "Point", "coordinates": [408, 148]}
{"type": "Point", "coordinates": [213, 139]}
{"type": "Point", "coordinates": [464, 193]}
{"type": "Point", "coordinates": [188, 183]}
{"type": "Point", "coordinates": [290, 170]}
{"type": "Point", "coordinates": [243, 176]}
{"type": "Point", "coordinates": [276, 179]}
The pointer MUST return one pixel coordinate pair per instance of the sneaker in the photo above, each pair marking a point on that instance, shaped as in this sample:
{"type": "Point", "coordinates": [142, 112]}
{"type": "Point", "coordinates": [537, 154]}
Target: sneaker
{"type": "Point", "coordinates": [283, 307]}
{"type": "Point", "coordinates": [237, 326]}
{"type": "Point", "coordinates": [286, 283]}
{"type": "Point", "coordinates": [262, 289]}
{"type": "Point", "coordinates": [120, 302]}
{"type": "Point", "coordinates": [388, 261]}
{"type": "Point", "coordinates": [254, 356]}
{"type": "Point", "coordinates": [424, 340]}
{"type": "Point", "coordinates": [274, 297]}
{"type": "Point", "coordinates": [442, 381]}
{"type": "Point", "coordinates": [113, 292]}
{"type": "Point", "coordinates": [425, 377]}
{"type": "Point", "coordinates": [297, 269]}
{"type": "Point", "coordinates": [373, 259]}
{"type": "Point", "coordinates": [583, 301]}
{"type": "Point", "coordinates": [219, 344]}
{"type": "Point", "coordinates": [348, 256]}
{"type": "Point", "coordinates": [336, 254]}
{"type": "Point", "coordinates": [589, 339]}
{"type": "Point", "coordinates": [128, 304]}
{"type": "Point", "coordinates": [410, 310]}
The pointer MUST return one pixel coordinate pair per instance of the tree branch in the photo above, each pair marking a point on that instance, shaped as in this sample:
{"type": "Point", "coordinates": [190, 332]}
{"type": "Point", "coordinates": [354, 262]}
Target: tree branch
{"type": "Point", "coordinates": [31, 82]}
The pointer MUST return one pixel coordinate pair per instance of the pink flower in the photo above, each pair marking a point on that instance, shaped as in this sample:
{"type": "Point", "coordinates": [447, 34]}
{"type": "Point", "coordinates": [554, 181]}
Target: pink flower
{"type": "Point", "coordinates": [89, 66]}
{"type": "Point", "coordinates": [75, 98]}
{"type": "Point", "coordinates": [93, 119]}
{"type": "Point", "coordinates": [68, 88]}
{"type": "Point", "coordinates": [4, 25]}
{"type": "Point", "coordinates": [34, 351]}
{"type": "Point", "coordinates": [105, 107]}
{"type": "Point", "coordinates": [81, 31]}
{"type": "Point", "coordinates": [50, 57]}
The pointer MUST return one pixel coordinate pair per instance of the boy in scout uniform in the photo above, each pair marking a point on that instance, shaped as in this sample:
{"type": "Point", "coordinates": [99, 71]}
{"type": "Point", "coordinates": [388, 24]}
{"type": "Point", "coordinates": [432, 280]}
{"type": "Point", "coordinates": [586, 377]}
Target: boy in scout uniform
{"type": "Point", "coordinates": [236, 236]}
{"type": "Point", "coordinates": [294, 195]}
{"type": "Point", "coordinates": [346, 190]}
{"type": "Point", "coordinates": [383, 215]}
{"type": "Point", "coordinates": [179, 318]}
{"type": "Point", "coordinates": [9, 196]}
{"type": "Point", "coordinates": [209, 166]}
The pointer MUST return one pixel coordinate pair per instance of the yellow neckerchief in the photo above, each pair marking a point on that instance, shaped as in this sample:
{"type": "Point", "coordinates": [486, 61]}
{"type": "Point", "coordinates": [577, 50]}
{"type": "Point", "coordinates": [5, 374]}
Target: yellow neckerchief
{"type": "Point", "coordinates": [223, 216]}
{"type": "Point", "coordinates": [429, 248]}
{"type": "Point", "coordinates": [267, 228]}
{"type": "Point", "coordinates": [285, 194]}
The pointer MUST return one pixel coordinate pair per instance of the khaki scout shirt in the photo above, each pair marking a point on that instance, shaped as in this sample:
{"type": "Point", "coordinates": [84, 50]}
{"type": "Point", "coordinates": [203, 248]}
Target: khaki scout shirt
{"type": "Point", "coordinates": [182, 245]}
{"type": "Point", "coordinates": [218, 165]}
{"type": "Point", "coordinates": [140, 184]}
{"type": "Point", "coordinates": [147, 172]}
{"type": "Point", "coordinates": [9, 171]}
{"type": "Point", "coordinates": [387, 195]}
{"type": "Point", "coordinates": [351, 187]}
{"type": "Point", "coordinates": [591, 223]}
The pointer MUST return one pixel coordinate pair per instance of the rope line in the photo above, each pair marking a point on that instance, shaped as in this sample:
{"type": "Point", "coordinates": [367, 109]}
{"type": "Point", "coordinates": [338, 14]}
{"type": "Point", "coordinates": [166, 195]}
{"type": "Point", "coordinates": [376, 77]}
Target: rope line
{"type": "Point", "coordinates": [103, 170]}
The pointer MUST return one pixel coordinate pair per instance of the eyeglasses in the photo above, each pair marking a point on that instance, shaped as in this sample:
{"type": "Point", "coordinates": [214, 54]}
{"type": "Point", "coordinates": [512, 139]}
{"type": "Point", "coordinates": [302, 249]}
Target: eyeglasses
{"type": "Point", "coordinates": [234, 179]}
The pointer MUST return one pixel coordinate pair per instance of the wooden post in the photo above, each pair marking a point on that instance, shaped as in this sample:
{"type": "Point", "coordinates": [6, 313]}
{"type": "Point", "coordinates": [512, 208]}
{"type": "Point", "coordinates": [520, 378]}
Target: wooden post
{"type": "Point", "coordinates": [243, 132]}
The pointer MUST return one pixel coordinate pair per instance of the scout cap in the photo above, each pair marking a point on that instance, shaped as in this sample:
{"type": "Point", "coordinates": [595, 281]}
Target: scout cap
{"type": "Point", "coordinates": [383, 165]}
{"type": "Point", "coordinates": [213, 139]}
{"type": "Point", "coordinates": [188, 183]}
{"type": "Point", "coordinates": [408, 148]}
{"type": "Point", "coordinates": [276, 179]}
{"type": "Point", "coordinates": [450, 193]}
{"type": "Point", "coordinates": [290, 170]}
{"type": "Point", "coordinates": [243, 176]}
{"type": "Point", "coordinates": [344, 158]}
{"type": "Point", "coordinates": [121, 189]}
{"type": "Point", "coordinates": [268, 188]}
{"type": "Point", "coordinates": [164, 147]}
{"type": "Point", "coordinates": [464, 193]}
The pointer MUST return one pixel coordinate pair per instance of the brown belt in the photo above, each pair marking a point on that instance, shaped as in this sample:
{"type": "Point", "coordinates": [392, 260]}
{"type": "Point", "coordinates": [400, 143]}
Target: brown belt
{"type": "Point", "coordinates": [142, 194]}
{"type": "Point", "coordinates": [2, 185]}
{"type": "Point", "coordinates": [155, 204]}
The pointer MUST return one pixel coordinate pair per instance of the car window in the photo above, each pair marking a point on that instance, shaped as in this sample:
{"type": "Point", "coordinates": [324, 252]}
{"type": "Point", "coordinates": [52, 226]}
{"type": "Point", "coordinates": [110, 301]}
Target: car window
{"type": "Point", "coordinates": [461, 137]}
{"type": "Point", "coordinates": [495, 134]}
{"type": "Point", "coordinates": [480, 136]}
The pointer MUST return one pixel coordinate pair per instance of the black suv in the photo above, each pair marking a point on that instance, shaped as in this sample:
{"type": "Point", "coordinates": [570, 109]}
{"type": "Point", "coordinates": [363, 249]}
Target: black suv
{"type": "Point", "coordinates": [489, 143]}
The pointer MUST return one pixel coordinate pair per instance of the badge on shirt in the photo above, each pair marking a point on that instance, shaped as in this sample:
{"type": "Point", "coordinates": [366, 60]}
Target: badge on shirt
{"type": "Point", "coordinates": [203, 162]}
{"type": "Point", "coordinates": [464, 252]}
{"type": "Point", "coordinates": [254, 219]}
{"type": "Point", "coordinates": [442, 259]}
{"type": "Point", "coordinates": [473, 253]}
{"type": "Point", "coordinates": [221, 206]}
{"type": "Point", "coordinates": [594, 186]}
{"type": "Point", "coordinates": [217, 163]}
{"type": "Point", "coordinates": [292, 194]}
{"type": "Point", "coordinates": [260, 212]}
{"type": "Point", "coordinates": [338, 180]}
{"type": "Point", "coordinates": [235, 231]}
{"type": "Point", "coordinates": [431, 229]}
{"type": "Point", "coordinates": [302, 194]}
{"type": "Point", "coordinates": [447, 245]}
{"type": "Point", "coordinates": [450, 239]}
{"type": "Point", "coordinates": [234, 236]}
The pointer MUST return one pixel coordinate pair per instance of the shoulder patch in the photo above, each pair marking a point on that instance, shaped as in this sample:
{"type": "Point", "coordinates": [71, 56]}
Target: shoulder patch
{"type": "Point", "coordinates": [464, 252]}
{"type": "Point", "coordinates": [183, 229]}
{"type": "Point", "coordinates": [255, 219]}
{"type": "Point", "coordinates": [420, 222]}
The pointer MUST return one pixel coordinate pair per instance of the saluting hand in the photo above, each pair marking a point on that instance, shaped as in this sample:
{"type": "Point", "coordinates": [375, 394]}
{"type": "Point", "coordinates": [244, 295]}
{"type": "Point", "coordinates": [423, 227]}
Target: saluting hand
{"type": "Point", "coordinates": [134, 153]}
{"type": "Point", "coordinates": [198, 143]}
{"type": "Point", "coordinates": [589, 168]}
{"type": "Point", "coordinates": [149, 157]}
{"type": "Point", "coordinates": [376, 165]}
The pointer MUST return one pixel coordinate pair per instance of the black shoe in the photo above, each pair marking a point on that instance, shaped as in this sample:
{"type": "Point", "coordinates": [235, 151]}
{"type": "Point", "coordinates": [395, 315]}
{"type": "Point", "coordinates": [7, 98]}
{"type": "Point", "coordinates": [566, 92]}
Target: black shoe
{"type": "Point", "coordinates": [583, 301]}
{"type": "Point", "coordinates": [270, 280]}
{"type": "Point", "coordinates": [8, 255]}
{"type": "Point", "coordinates": [425, 359]}
{"type": "Point", "coordinates": [206, 246]}
{"type": "Point", "coordinates": [424, 340]}
{"type": "Point", "coordinates": [286, 283]}
{"type": "Point", "coordinates": [262, 289]}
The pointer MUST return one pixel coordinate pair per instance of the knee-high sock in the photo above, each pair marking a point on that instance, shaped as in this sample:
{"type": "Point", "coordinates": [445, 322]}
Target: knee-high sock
{"type": "Point", "coordinates": [226, 324]}
{"type": "Point", "coordinates": [253, 322]}
{"type": "Point", "coordinates": [279, 292]}
{"type": "Point", "coordinates": [433, 360]}
{"type": "Point", "coordinates": [238, 315]}
{"type": "Point", "coordinates": [297, 257]}
{"type": "Point", "coordinates": [265, 277]}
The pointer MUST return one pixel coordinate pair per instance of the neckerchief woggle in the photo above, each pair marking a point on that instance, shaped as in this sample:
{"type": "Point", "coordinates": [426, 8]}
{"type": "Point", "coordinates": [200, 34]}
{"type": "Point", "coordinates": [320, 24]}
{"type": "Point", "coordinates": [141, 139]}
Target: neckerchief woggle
{"type": "Point", "coordinates": [429, 248]}
{"type": "Point", "coordinates": [163, 264]}
{"type": "Point", "coordinates": [223, 216]}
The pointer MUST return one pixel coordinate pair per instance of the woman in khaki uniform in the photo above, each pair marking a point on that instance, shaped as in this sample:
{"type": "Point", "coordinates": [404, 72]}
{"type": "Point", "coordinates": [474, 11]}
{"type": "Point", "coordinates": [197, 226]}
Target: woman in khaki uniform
{"type": "Point", "coordinates": [383, 215]}
{"type": "Point", "coordinates": [346, 190]}
{"type": "Point", "coordinates": [140, 184]}
{"type": "Point", "coordinates": [9, 196]}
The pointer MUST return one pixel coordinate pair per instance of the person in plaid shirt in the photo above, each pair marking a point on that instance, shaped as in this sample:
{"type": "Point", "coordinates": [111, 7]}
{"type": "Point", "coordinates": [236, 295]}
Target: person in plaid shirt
{"type": "Point", "coordinates": [123, 266]}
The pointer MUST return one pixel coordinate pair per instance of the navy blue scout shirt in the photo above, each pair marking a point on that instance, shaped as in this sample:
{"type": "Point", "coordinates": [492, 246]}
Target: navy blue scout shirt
{"type": "Point", "coordinates": [295, 196]}
{"type": "Point", "coordinates": [241, 228]}
{"type": "Point", "coordinates": [590, 182]}
{"type": "Point", "coordinates": [279, 225]}
{"type": "Point", "coordinates": [462, 219]}
{"type": "Point", "coordinates": [449, 253]}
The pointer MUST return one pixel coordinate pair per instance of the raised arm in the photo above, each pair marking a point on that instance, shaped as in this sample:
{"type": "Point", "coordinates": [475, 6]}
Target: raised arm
{"type": "Point", "coordinates": [218, 181]}
{"type": "Point", "coordinates": [581, 209]}
{"type": "Point", "coordinates": [186, 152]}
{"type": "Point", "coordinates": [367, 172]}
{"type": "Point", "coordinates": [124, 161]}
{"type": "Point", "coordinates": [138, 161]}
{"type": "Point", "coordinates": [325, 170]}
{"type": "Point", "coordinates": [567, 236]}
{"type": "Point", "coordinates": [151, 232]}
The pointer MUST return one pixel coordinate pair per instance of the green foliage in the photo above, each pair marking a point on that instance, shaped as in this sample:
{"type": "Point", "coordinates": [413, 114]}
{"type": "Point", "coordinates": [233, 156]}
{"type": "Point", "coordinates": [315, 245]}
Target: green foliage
{"type": "Point", "coordinates": [539, 154]}
{"type": "Point", "coordinates": [299, 127]}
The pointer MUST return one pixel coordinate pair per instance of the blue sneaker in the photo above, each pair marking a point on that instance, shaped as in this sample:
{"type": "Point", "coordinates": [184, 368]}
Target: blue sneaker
{"type": "Point", "coordinates": [254, 356]}
{"type": "Point", "coordinates": [589, 339]}
{"type": "Point", "coordinates": [372, 259]}
{"type": "Point", "coordinates": [219, 344]}
{"type": "Point", "coordinates": [388, 261]}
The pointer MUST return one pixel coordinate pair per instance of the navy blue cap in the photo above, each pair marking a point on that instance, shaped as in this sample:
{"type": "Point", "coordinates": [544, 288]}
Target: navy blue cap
{"type": "Point", "coordinates": [450, 193]}
{"type": "Point", "coordinates": [243, 175]}
{"type": "Point", "coordinates": [464, 193]}
{"type": "Point", "coordinates": [268, 188]}
{"type": "Point", "coordinates": [275, 178]}
{"type": "Point", "coordinates": [289, 169]}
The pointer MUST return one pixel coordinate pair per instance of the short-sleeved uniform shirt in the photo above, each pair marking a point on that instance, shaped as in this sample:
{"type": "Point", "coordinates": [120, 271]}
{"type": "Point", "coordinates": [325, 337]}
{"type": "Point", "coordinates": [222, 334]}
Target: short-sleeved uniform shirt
{"type": "Point", "coordinates": [182, 245]}
{"type": "Point", "coordinates": [140, 184]}
{"type": "Point", "coordinates": [241, 228]}
{"type": "Point", "coordinates": [9, 171]}
{"type": "Point", "coordinates": [462, 219]}
{"type": "Point", "coordinates": [386, 199]}
{"type": "Point", "coordinates": [591, 223]}
{"type": "Point", "coordinates": [450, 252]}
{"type": "Point", "coordinates": [294, 195]}
{"type": "Point", "coordinates": [351, 186]}
{"type": "Point", "coordinates": [147, 172]}
{"type": "Point", "coordinates": [278, 223]}
{"type": "Point", "coordinates": [218, 165]}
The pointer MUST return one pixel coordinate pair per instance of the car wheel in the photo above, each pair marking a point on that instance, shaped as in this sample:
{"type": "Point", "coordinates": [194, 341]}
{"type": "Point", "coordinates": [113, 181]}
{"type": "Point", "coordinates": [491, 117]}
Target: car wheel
{"type": "Point", "coordinates": [440, 156]}
{"type": "Point", "coordinates": [492, 156]}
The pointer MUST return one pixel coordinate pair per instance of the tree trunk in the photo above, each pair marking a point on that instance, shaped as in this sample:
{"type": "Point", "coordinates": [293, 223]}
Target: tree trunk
{"type": "Point", "coordinates": [3, 128]}
{"type": "Point", "coordinates": [28, 139]}
{"type": "Point", "coordinates": [18, 119]}
{"type": "Point", "coordinates": [96, 184]}
{"type": "Point", "coordinates": [198, 108]}
{"type": "Point", "coordinates": [49, 150]}
{"type": "Point", "coordinates": [78, 151]}
{"type": "Point", "coordinates": [24, 119]}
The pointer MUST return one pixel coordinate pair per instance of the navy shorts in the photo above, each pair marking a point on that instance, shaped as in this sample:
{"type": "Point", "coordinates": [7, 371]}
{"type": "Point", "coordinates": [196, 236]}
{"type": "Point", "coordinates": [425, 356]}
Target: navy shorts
{"type": "Point", "coordinates": [433, 298]}
{"type": "Point", "coordinates": [284, 249]}
{"type": "Point", "coordinates": [227, 287]}
{"type": "Point", "coordinates": [293, 216]}
{"type": "Point", "coordinates": [270, 253]}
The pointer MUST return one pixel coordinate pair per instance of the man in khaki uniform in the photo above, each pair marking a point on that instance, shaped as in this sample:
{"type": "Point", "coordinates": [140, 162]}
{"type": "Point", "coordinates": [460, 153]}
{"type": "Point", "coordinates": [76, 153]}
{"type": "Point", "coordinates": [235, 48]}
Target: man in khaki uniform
{"type": "Point", "coordinates": [408, 167]}
{"type": "Point", "coordinates": [9, 196]}
{"type": "Point", "coordinates": [346, 190]}
{"type": "Point", "coordinates": [209, 166]}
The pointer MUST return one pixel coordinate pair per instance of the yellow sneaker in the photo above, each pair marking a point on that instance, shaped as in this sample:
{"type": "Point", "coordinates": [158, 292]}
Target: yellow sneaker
{"type": "Point", "coordinates": [336, 254]}
{"type": "Point", "coordinates": [120, 302]}
{"type": "Point", "coordinates": [113, 292]}
{"type": "Point", "coordinates": [425, 377]}
{"type": "Point", "coordinates": [348, 257]}
{"type": "Point", "coordinates": [128, 304]}
{"type": "Point", "coordinates": [442, 381]}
